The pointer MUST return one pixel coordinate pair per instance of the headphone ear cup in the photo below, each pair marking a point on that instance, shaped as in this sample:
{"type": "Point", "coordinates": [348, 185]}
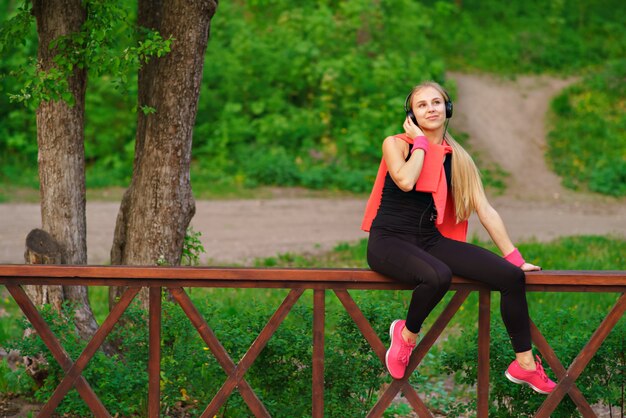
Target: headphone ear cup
{"type": "Point", "coordinates": [411, 115]}
{"type": "Point", "coordinates": [448, 109]}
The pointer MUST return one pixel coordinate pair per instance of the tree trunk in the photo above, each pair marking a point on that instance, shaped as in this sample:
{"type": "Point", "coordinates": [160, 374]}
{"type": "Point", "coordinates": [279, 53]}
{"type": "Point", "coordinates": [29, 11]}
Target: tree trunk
{"type": "Point", "coordinates": [158, 206]}
{"type": "Point", "coordinates": [60, 135]}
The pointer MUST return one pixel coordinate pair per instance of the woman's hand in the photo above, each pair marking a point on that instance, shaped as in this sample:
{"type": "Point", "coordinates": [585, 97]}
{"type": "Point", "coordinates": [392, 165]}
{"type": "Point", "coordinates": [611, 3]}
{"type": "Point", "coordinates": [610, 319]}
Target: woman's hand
{"type": "Point", "coordinates": [529, 267]}
{"type": "Point", "coordinates": [411, 129]}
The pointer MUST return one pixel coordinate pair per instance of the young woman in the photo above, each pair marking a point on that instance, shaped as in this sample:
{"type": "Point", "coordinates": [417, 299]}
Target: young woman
{"type": "Point", "coordinates": [427, 187]}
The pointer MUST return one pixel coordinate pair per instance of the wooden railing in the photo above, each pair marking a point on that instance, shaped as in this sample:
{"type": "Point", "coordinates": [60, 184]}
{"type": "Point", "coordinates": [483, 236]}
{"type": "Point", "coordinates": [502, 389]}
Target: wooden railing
{"type": "Point", "coordinates": [175, 279]}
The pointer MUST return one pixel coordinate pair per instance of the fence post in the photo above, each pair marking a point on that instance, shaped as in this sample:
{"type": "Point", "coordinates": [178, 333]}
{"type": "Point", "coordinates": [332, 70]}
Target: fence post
{"type": "Point", "coordinates": [484, 312]}
{"type": "Point", "coordinates": [154, 361]}
{"type": "Point", "coordinates": [319, 310]}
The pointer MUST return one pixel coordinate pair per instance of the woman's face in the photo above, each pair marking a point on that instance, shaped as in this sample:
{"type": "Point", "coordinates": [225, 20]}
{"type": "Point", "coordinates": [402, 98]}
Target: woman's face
{"type": "Point", "coordinates": [429, 108]}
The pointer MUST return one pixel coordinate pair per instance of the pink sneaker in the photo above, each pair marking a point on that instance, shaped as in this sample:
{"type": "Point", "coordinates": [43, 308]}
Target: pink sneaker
{"type": "Point", "coordinates": [397, 357]}
{"type": "Point", "coordinates": [536, 379]}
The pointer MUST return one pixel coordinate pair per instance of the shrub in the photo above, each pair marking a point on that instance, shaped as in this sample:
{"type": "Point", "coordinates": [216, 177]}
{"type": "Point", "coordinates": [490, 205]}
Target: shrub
{"type": "Point", "coordinates": [587, 146]}
{"type": "Point", "coordinates": [120, 383]}
{"type": "Point", "coordinates": [534, 36]}
{"type": "Point", "coordinates": [567, 332]}
{"type": "Point", "coordinates": [190, 375]}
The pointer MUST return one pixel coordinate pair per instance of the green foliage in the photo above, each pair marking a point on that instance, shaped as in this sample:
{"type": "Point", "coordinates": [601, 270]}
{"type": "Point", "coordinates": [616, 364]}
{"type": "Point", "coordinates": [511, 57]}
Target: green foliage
{"type": "Point", "coordinates": [120, 383]}
{"type": "Point", "coordinates": [94, 47]}
{"type": "Point", "coordinates": [315, 110]}
{"type": "Point", "coordinates": [112, 50]}
{"type": "Point", "coordinates": [192, 248]}
{"type": "Point", "coordinates": [567, 332]}
{"type": "Point", "coordinates": [109, 133]}
{"type": "Point", "coordinates": [14, 382]}
{"type": "Point", "coordinates": [587, 142]}
{"type": "Point", "coordinates": [302, 94]}
{"type": "Point", "coordinates": [344, 255]}
{"type": "Point", "coordinates": [532, 36]}
{"type": "Point", "coordinates": [18, 137]}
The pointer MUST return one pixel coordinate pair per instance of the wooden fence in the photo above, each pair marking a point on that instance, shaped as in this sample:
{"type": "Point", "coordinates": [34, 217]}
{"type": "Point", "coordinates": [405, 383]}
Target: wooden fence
{"type": "Point", "coordinates": [175, 279]}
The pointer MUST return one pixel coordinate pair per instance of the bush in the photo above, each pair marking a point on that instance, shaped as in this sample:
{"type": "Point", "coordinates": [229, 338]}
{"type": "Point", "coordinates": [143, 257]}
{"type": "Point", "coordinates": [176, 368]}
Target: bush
{"type": "Point", "coordinates": [534, 36]}
{"type": "Point", "coordinates": [567, 332]}
{"type": "Point", "coordinates": [314, 87]}
{"type": "Point", "coordinates": [316, 109]}
{"type": "Point", "coordinates": [587, 146]}
{"type": "Point", "coordinates": [190, 375]}
{"type": "Point", "coordinates": [120, 383]}
{"type": "Point", "coordinates": [272, 167]}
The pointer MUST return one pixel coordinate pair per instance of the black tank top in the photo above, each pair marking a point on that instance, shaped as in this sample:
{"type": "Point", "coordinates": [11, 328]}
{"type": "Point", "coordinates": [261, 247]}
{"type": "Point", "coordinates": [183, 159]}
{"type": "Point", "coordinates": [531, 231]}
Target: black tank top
{"type": "Point", "coordinates": [409, 212]}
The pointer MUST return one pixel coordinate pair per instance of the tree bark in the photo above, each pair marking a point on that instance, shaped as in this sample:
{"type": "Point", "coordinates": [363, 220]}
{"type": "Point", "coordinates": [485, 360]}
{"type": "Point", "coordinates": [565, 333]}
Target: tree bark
{"type": "Point", "coordinates": [158, 206]}
{"type": "Point", "coordinates": [60, 136]}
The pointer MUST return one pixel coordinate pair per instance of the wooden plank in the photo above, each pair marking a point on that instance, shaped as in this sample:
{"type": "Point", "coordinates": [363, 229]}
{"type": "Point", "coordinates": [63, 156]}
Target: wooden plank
{"type": "Point", "coordinates": [545, 277]}
{"type": "Point", "coordinates": [57, 350]}
{"type": "Point", "coordinates": [154, 353]}
{"type": "Point", "coordinates": [457, 284]}
{"type": "Point", "coordinates": [415, 401]}
{"type": "Point", "coordinates": [484, 314]}
{"type": "Point", "coordinates": [319, 308]}
{"type": "Point", "coordinates": [211, 283]}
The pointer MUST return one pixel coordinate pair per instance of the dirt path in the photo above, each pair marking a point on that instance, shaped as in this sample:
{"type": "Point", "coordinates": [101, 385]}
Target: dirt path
{"type": "Point", "coordinates": [505, 121]}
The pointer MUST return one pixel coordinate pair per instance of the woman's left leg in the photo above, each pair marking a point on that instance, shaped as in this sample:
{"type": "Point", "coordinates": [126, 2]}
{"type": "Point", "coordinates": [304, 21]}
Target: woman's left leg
{"type": "Point", "coordinates": [476, 263]}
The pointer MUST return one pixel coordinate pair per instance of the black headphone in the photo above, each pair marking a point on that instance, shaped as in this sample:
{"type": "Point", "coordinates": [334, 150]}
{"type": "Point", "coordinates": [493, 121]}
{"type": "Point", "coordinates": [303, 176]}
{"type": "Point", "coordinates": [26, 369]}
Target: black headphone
{"type": "Point", "coordinates": [409, 110]}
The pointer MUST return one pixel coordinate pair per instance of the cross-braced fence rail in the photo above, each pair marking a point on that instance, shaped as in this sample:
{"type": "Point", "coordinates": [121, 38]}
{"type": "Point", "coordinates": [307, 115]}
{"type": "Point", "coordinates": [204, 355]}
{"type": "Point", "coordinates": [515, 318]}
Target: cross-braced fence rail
{"type": "Point", "coordinates": [340, 281]}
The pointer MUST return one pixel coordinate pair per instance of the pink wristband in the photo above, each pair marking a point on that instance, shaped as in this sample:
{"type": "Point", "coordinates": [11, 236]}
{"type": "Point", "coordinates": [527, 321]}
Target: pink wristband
{"type": "Point", "coordinates": [515, 258]}
{"type": "Point", "coordinates": [421, 142]}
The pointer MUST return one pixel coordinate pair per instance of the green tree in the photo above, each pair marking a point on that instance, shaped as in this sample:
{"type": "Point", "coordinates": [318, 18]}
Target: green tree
{"type": "Point", "coordinates": [158, 206]}
{"type": "Point", "coordinates": [166, 44]}
{"type": "Point", "coordinates": [60, 128]}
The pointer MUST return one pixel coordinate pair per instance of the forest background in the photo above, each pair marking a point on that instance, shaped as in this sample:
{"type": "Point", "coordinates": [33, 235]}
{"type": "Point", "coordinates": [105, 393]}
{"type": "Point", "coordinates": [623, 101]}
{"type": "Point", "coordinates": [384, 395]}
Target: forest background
{"type": "Point", "coordinates": [301, 87]}
{"type": "Point", "coordinates": [291, 94]}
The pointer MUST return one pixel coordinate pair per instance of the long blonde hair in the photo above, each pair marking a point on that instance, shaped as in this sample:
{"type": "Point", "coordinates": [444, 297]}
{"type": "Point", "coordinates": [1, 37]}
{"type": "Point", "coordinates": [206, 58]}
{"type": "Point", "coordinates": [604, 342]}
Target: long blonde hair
{"type": "Point", "coordinates": [467, 185]}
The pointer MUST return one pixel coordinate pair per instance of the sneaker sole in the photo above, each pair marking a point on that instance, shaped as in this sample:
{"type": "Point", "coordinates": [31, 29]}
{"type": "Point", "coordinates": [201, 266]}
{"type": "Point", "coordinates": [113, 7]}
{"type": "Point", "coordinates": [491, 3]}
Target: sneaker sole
{"type": "Point", "coordinates": [523, 382]}
{"type": "Point", "coordinates": [389, 349]}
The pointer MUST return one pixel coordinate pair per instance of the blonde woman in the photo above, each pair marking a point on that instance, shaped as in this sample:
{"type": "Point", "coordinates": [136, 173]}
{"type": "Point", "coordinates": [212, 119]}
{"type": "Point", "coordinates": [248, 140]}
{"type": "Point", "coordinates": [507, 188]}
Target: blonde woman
{"type": "Point", "coordinates": [427, 187]}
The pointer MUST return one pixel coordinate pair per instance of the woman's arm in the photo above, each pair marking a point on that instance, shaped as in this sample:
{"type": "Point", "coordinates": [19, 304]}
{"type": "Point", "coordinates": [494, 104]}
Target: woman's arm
{"type": "Point", "coordinates": [405, 173]}
{"type": "Point", "coordinates": [494, 225]}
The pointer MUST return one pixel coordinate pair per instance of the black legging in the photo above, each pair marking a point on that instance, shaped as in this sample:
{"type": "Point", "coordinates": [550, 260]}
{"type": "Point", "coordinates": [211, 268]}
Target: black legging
{"type": "Point", "coordinates": [430, 270]}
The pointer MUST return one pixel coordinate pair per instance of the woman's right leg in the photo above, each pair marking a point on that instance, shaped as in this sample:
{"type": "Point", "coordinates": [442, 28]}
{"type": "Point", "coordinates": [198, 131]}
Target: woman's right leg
{"type": "Point", "coordinates": [402, 260]}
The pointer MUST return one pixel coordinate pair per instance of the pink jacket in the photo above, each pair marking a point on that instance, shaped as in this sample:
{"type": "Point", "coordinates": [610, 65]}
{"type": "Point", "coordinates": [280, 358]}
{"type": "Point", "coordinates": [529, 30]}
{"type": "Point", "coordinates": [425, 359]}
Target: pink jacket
{"type": "Point", "coordinates": [432, 179]}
